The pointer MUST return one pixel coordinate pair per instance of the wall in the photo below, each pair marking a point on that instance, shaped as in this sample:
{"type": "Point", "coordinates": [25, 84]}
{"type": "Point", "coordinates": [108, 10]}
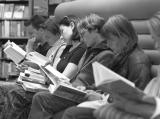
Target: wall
{"type": "Point", "coordinates": [133, 9]}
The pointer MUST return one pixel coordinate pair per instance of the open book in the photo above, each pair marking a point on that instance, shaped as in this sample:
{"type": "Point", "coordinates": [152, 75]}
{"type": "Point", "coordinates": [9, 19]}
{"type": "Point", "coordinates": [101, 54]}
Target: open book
{"type": "Point", "coordinates": [61, 86]}
{"type": "Point", "coordinates": [113, 83]}
{"type": "Point", "coordinates": [14, 52]}
{"type": "Point", "coordinates": [17, 54]}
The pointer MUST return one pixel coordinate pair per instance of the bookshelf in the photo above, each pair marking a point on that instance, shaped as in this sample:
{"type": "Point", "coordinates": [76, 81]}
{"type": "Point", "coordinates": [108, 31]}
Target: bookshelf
{"type": "Point", "coordinates": [13, 13]}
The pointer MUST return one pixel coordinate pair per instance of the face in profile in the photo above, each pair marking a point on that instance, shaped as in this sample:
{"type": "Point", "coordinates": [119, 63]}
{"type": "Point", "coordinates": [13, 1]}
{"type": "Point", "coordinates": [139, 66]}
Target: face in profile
{"type": "Point", "coordinates": [66, 32]}
{"type": "Point", "coordinates": [117, 43]}
{"type": "Point", "coordinates": [90, 38]}
{"type": "Point", "coordinates": [30, 31]}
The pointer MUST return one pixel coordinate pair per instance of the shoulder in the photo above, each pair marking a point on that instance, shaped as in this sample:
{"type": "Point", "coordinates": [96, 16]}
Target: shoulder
{"type": "Point", "coordinates": [105, 53]}
{"type": "Point", "coordinates": [139, 57]}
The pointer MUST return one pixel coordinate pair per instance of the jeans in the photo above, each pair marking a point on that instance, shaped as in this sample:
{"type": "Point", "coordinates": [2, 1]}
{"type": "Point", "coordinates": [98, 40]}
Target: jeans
{"type": "Point", "coordinates": [17, 104]}
{"type": "Point", "coordinates": [78, 113]}
{"type": "Point", "coordinates": [46, 105]}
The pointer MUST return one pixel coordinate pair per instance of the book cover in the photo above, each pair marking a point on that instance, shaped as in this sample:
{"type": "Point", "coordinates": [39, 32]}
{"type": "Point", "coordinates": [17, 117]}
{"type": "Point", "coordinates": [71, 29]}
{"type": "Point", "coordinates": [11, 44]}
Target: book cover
{"type": "Point", "coordinates": [6, 28]}
{"type": "Point", "coordinates": [33, 77]}
{"type": "Point", "coordinates": [26, 12]}
{"type": "Point", "coordinates": [18, 11]}
{"type": "Point", "coordinates": [32, 87]}
{"type": "Point", "coordinates": [13, 29]}
{"type": "Point", "coordinates": [113, 83]}
{"type": "Point", "coordinates": [2, 7]}
{"type": "Point", "coordinates": [8, 11]}
{"type": "Point", "coordinates": [67, 92]}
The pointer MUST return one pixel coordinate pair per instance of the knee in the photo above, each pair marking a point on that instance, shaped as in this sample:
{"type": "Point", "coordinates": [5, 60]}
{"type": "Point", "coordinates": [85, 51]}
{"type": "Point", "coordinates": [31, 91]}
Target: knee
{"type": "Point", "coordinates": [69, 112]}
{"type": "Point", "coordinates": [38, 96]}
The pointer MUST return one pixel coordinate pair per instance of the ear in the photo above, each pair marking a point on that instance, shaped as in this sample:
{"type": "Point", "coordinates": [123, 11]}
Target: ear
{"type": "Point", "coordinates": [72, 25]}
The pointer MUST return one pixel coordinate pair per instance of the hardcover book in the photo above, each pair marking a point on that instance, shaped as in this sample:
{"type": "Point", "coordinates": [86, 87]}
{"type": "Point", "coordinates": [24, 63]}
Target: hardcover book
{"type": "Point", "coordinates": [61, 87]}
{"type": "Point", "coordinates": [111, 82]}
{"type": "Point", "coordinates": [14, 52]}
{"type": "Point", "coordinates": [30, 86]}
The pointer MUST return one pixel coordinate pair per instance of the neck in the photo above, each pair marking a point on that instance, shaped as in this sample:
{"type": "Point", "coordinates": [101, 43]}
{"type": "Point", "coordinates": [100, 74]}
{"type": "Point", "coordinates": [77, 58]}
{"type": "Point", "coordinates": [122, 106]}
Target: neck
{"type": "Point", "coordinates": [74, 45]}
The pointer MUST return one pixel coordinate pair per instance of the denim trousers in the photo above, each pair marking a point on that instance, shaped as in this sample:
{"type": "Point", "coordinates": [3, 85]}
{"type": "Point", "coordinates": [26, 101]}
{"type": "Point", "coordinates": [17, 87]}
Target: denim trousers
{"type": "Point", "coordinates": [78, 113]}
{"type": "Point", "coordinates": [17, 104]}
{"type": "Point", "coordinates": [46, 105]}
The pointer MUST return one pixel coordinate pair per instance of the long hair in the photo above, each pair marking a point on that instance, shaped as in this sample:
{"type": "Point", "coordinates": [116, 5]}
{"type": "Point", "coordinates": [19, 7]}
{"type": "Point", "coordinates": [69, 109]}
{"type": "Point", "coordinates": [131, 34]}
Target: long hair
{"type": "Point", "coordinates": [120, 27]}
{"type": "Point", "coordinates": [67, 20]}
{"type": "Point", "coordinates": [154, 23]}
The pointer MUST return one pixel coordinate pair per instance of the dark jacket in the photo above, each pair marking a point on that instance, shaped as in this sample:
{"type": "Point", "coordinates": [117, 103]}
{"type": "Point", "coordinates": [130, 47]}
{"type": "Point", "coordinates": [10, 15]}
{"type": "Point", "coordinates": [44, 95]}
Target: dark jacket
{"type": "Point", "coordinates": [139, 68]}
{"type": "Point", "coordinates": [135, 67]}
{"type": "Point", "coordinates": [100, 53]}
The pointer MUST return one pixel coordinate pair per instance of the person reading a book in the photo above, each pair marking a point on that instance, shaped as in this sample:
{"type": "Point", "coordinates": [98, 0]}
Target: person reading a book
{"type": "Point", "coordinates": [69, 59]}
{"type": "Point", "coordinates": [48, 35]}
{"type": "Point", "coordinates": [46, 105]}
{"type": "Point", "coordinates": [34, 41]}
{"type": "Point", "coordinates": [129, 61]}
{"type": "Point", "coordinates": [154, 27]}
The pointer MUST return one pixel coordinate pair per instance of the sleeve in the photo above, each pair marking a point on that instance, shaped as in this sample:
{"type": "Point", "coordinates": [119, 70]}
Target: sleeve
{"type": "Point", "coordinates": [139, 73]}
{"type": "Point", "coordinates": [76, 56]}
{"type": "Point", "coordinates": [105, 58]}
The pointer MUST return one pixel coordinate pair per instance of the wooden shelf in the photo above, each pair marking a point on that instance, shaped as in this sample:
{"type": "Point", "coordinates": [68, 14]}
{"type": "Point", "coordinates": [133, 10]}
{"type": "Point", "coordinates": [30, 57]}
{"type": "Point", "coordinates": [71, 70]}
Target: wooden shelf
{"type": "Point", "coordinates": [15, 2]}
{"type": "Point", "coordinates": [2, 78]}
{"type": "Point", "coordinates": [13, 38]}
{"type": "Point", "coordinates": [5, 59]}
{"type": "Point", "coordinates": [17, 40]}
{"type": "Point", "coordinates": [13, 19]}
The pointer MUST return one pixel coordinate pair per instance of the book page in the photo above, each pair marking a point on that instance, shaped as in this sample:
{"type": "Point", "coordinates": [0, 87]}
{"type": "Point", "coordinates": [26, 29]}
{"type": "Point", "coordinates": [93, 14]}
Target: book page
{"type": "Point", "coordinates": [50, 76]}
{"type": "Point", "coordinates": [104, 74]}
{"type": "Point", "coordinates": [14, 52]}
{"type": "Point", "coordinates": [113, 83]}
{"type": "Point", "coordinates": [56, 73]}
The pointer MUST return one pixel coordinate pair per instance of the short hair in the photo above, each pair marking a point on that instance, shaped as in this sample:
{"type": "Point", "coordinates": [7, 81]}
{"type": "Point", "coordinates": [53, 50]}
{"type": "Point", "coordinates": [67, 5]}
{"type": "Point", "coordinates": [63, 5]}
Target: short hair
{"type": "Point", "coordinates": [67, 20]}
{"type": "Point", "coordinates": [91, 22]}
{"type": "Point", "coordinates": [51, 25]}
{"type": "Point", "coordinates": [120, 26]}
{"type": "Point", "coordinates": [35, 21]}
{"type": "Point", "coordinates": [154, 23]}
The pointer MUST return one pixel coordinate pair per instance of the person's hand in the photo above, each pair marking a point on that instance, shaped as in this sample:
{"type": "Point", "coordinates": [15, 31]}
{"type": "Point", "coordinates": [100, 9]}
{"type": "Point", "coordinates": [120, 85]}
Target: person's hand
{"type": "Point", "coordinates": [30, 44]}
{"type": "Point", "coordinates": [92, 95]}
{"type": "Point", "coordinates": [21, 67]}
{"type": "Point", "coordinates": [30, 64]}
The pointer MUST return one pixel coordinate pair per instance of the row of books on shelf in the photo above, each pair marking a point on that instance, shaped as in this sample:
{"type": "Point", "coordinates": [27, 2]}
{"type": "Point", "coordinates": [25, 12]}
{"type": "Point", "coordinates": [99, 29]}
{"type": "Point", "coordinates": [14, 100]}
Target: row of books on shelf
{"type": "Point", "coordinates": [8, 70]}
{"type": "Point", "coordinates": [12, 29]}
{"type": "Point", "coordinates": [14, 11]}
{"type": "Point", "coordinates": [13, 0]}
